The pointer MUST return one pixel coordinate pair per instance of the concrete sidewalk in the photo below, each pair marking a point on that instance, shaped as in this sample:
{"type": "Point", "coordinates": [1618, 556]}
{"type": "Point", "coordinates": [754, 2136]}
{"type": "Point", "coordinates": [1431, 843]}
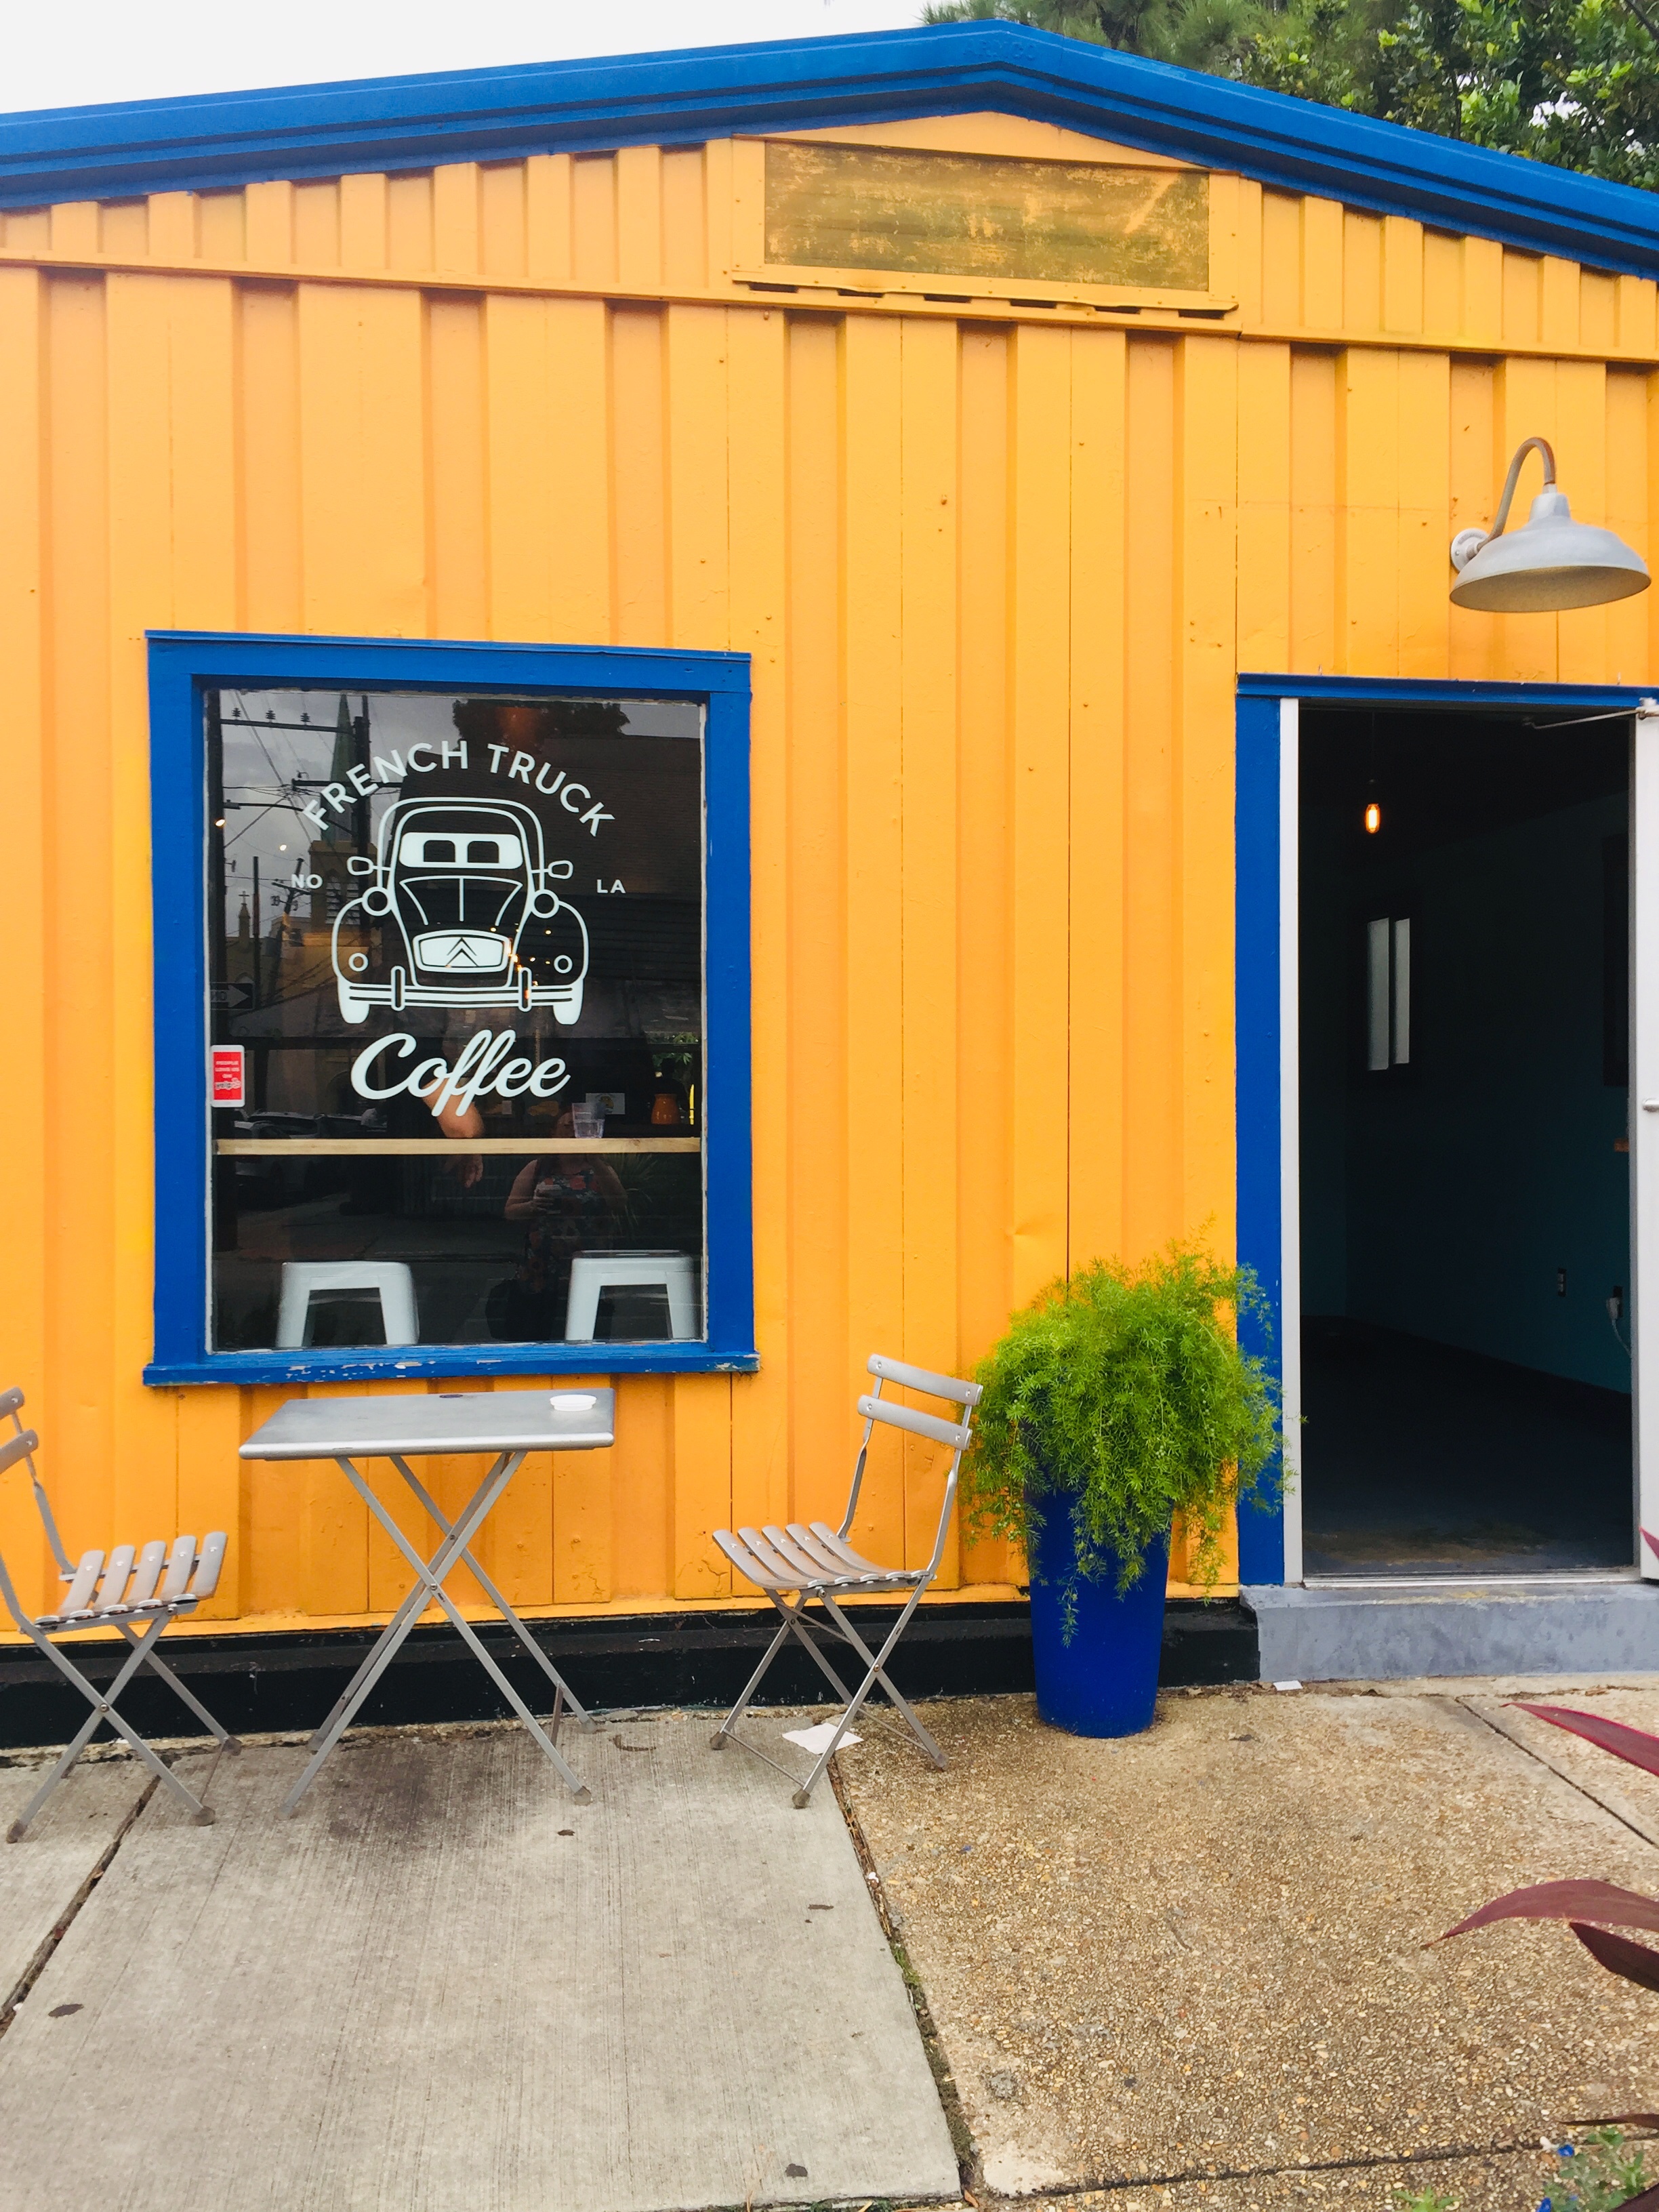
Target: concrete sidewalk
{"type": "Point", "coordinates": [1184, 1972]}
{"type": "Point", "coordinates": [444, 1987]}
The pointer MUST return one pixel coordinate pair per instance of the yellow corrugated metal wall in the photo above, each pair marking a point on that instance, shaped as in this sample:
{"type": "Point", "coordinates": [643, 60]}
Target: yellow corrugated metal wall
{"type": "Point", "coordinates": [996, 575]}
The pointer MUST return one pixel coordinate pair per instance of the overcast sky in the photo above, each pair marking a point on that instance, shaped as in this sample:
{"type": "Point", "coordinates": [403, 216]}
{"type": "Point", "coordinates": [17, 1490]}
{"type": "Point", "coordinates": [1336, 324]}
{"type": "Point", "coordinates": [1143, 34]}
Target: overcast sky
{"type": "Point", "coordinates": [71, 54]}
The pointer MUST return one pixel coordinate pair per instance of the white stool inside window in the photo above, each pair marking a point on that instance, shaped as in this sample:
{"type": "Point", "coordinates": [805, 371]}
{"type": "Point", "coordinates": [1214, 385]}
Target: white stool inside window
{"type": "Point", "coordinates": [593, 1272]}
{"type": "Point", "coordinates": [304, 1280]}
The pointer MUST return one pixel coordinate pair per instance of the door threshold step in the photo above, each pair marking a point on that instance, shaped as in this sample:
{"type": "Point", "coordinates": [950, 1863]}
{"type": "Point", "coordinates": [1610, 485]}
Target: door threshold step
{"type": "Point", "coordinates": [1555, 1578]}
{"type": "Point", "coordinates": [1398, 1631]}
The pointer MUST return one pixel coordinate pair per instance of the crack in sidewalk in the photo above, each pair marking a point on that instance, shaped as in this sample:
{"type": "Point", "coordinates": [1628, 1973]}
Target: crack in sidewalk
{"type": "Point", "coordinates": [1618, 1811]}
{"type": "Point", "coordinates": [955, 2119]}
{"type": "Point", "coordinates": [1058, 2193]}
{"type": "Point", "coordinates": [60, 1928]}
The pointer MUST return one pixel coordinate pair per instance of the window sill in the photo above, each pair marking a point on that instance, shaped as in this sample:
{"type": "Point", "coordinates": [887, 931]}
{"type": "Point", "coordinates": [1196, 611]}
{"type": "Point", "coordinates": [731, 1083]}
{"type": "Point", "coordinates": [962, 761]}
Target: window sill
{"type": "Point", "coordinates": [402, 1362]}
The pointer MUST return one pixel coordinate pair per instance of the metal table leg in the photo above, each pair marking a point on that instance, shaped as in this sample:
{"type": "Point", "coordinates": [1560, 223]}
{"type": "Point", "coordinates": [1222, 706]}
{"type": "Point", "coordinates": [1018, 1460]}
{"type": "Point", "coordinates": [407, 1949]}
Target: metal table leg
{"type": "Point", "coordinates": [429, 1589]}
{"type": "Point", "coordinates": [566, 1695]}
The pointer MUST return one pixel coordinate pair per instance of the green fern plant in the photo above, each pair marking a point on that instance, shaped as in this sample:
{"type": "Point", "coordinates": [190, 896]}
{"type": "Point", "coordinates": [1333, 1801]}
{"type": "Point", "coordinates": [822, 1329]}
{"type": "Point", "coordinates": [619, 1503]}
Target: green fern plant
{"type": "Point", "coordinates": [1122, 1395]}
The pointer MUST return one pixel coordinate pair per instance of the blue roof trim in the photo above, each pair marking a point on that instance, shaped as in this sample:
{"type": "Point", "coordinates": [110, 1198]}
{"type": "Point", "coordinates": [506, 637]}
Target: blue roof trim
{"type": "Point", "coordinates": [412, 122]}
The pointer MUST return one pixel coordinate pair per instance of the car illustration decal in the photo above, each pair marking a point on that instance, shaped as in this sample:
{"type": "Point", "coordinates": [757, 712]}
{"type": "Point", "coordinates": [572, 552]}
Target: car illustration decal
{"type": "Point", "coordinates": [461, 902]}
{"type": "Point", "coordinates": [462, 948]}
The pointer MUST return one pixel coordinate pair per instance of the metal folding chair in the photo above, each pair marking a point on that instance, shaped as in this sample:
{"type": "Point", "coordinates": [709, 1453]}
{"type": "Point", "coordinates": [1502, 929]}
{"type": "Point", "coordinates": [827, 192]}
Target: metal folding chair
{"type": "Point", "coordinates": [138, 1593]}
{"type": "Point", "coordinates": [803, 1563]}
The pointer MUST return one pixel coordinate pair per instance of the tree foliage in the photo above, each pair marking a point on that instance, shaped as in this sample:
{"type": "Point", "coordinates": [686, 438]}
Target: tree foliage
{"type": "Point", "coordinates": [1572, 81]}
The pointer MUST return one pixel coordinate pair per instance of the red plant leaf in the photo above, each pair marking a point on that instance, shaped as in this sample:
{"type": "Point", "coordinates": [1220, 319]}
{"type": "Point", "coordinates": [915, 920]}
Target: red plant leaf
{"type": "Point", "coordinates": [1651, 1540]}
{"type": "Point", "coordinates": [1566, 1900]}
{"type": "Point", "coordinates": [1633, 1745]}
{"type": "Point", "coordinates": [1634, 1962]}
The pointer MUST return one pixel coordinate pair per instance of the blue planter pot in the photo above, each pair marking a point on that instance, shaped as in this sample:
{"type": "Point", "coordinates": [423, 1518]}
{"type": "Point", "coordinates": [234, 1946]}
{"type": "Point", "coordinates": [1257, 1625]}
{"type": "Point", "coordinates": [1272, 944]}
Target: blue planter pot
{"type": "Point", "coordinates": [1104, 1682]}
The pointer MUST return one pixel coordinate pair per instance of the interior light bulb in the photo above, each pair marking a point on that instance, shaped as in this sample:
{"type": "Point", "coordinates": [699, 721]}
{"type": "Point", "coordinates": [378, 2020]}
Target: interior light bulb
{"type": "Point", "coordinates": [1373, 818]}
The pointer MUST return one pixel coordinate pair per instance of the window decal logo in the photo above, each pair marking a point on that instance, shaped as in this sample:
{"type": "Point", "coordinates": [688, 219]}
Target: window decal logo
{"type": "Point", "coordinates": [462, 902]}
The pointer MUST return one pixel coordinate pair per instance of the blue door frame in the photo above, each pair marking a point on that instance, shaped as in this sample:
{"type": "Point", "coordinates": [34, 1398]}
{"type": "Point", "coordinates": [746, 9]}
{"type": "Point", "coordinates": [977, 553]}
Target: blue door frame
{"type": "Point", "coordinates": [1265, 809]}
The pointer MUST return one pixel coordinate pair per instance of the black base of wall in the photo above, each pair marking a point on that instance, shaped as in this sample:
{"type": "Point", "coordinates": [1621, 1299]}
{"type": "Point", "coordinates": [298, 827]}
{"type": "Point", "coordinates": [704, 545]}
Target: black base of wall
{"type": "Point", "coordinates": [253, 1683]}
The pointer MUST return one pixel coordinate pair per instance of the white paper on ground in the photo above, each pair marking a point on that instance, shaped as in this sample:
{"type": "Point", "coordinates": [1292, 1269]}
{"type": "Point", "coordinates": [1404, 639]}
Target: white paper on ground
{"type": "Point", "coordinates": [819, 1740]}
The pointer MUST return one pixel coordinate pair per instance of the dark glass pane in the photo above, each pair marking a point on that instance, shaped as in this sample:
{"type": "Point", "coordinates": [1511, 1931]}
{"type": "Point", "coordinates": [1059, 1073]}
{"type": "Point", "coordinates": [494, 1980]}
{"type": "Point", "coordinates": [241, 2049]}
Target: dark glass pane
{"type": "Point", "coordinates": [459, 941]}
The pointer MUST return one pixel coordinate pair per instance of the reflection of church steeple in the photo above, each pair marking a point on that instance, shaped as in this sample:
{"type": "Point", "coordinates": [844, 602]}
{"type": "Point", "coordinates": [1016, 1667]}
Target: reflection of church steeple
{"type": "Point", "coordinates": [343, 760]}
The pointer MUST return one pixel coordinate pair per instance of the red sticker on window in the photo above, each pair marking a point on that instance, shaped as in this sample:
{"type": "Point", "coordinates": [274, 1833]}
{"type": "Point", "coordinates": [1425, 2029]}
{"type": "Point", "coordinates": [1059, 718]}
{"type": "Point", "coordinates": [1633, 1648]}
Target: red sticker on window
{"type": "Point", "coordinates": [226, 1075]}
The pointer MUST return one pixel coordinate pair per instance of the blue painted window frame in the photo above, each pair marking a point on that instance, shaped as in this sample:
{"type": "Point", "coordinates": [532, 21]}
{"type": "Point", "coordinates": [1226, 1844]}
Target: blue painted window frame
{"type": "Point", "coordinates": [1258, 1059]}
{"type": "Point", "coordinates": [184, 665]}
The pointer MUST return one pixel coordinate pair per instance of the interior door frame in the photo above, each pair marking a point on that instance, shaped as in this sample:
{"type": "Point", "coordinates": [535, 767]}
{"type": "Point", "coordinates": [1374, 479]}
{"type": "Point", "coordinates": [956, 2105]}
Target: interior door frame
{"type": "Point", "coordinates": [1266, 988]}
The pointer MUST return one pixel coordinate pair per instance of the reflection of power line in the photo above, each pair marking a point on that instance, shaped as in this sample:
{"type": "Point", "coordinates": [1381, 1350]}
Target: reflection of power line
{"type": "Point", "coordinates": [269, 809]}
{"type": "Point", "coordinates": [286, 785]}
{"type": "Point", "coordinates": [265, 751]}
{"type": "Point", "coordinates": [244, 720]}
{"type": "Point", "coordinates": [270, 722]}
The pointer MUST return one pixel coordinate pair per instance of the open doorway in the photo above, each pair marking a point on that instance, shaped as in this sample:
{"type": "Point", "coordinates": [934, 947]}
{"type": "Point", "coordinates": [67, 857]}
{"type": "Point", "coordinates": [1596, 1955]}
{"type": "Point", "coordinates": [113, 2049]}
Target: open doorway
{"type": "Point", "coordinates": [1465, 1199]}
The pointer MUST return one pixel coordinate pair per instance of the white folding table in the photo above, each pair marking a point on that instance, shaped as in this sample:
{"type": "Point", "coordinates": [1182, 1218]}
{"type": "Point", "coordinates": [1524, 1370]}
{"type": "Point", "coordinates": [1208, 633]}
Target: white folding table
{"type": "Point", "coordinates": [510, 1423]}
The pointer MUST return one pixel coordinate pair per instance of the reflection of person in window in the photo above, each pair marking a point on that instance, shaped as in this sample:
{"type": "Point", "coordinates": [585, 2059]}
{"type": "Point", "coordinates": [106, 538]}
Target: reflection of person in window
{"type": "Point", "coordinates": [459, 1123]}
{"type": "Point", "coordinates": [565, 1200]}
{"type": "Point", "coordinates": [408, 1115]}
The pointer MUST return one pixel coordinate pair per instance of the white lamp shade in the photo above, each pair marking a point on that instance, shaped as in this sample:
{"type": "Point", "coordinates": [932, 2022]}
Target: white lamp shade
{"type": "Point", "coordinates": [1550, 563]}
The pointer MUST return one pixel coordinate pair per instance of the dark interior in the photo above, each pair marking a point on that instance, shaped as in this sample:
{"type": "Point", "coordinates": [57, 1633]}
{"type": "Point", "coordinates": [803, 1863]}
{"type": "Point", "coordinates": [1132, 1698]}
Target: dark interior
{"type": "Point", "coordinates": [1465, 1200]}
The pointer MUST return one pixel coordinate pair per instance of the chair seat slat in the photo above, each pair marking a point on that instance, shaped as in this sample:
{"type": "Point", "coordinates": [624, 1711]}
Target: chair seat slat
{"type": "Point", "coordinates": [744, 1560]}
{"type": "Point", "coordinates": [148, 1573]}
{"type": "Point", "coordinates": [800, 1562]}
{"type": "Point", "coordinates": [809, 1547]}
{"type": "Point", "coordinates": [85, 1577]}
{"type": "Point", "coordinates": [114, 1588]}
{"type": "Point", "coordinates": [840, 1562]}
{"type": "Point", "coordinates": [846, 1559]}
{"type": "Point", "coordinates": [756, 1560]}
{"type": "Point", "coordinates": [208, 1566]}
{"type": "Point", "coordinates": [785, 1571]}
{"type": "Point", "coordinates": [179, 1563]}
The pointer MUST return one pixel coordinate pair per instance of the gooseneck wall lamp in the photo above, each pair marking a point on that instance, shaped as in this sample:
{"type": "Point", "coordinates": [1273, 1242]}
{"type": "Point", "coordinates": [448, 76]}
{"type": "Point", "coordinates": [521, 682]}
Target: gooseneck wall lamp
{"type": "Point", "coordinates": [1551, 562]}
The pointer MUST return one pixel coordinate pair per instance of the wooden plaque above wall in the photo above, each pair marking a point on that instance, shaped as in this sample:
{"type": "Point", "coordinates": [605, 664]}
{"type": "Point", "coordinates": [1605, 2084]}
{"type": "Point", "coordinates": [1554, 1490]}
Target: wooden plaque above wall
{"type": "Point", "coordinates": [970, 215]}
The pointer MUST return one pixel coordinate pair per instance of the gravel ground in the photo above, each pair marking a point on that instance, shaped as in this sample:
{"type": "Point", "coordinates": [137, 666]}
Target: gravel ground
{"type": "Point", "coordinates": [1511, 2181]}
{"type": "Point", "coordinates": [1199, 1951]}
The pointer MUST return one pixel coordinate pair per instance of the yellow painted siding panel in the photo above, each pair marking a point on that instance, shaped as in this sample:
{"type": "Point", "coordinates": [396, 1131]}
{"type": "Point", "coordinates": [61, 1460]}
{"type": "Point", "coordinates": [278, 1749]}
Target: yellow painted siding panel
{"type": "Point", "coordinates": [1097, 916]}
{"type": "Point", "coordinates": [995, 579]}
{"type": "Point", "coordinates": [25, 1289]}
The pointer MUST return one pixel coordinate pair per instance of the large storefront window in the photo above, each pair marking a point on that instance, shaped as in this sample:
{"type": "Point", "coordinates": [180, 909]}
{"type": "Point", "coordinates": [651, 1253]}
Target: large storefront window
{"type": "Point", "coordinates": [456, 955]}
{"type": "Point", "coordinates": [451, 1009]}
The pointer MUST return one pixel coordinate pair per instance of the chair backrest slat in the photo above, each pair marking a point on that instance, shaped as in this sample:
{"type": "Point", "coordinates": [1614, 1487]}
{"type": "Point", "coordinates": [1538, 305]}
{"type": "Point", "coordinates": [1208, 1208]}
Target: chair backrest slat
{"type": "Point", "coordinates": [919, 1424]}
{"type": "Point", "coordinates": [16, 1448]}
{"type": "Point", "coordinates": [922, 1378]}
